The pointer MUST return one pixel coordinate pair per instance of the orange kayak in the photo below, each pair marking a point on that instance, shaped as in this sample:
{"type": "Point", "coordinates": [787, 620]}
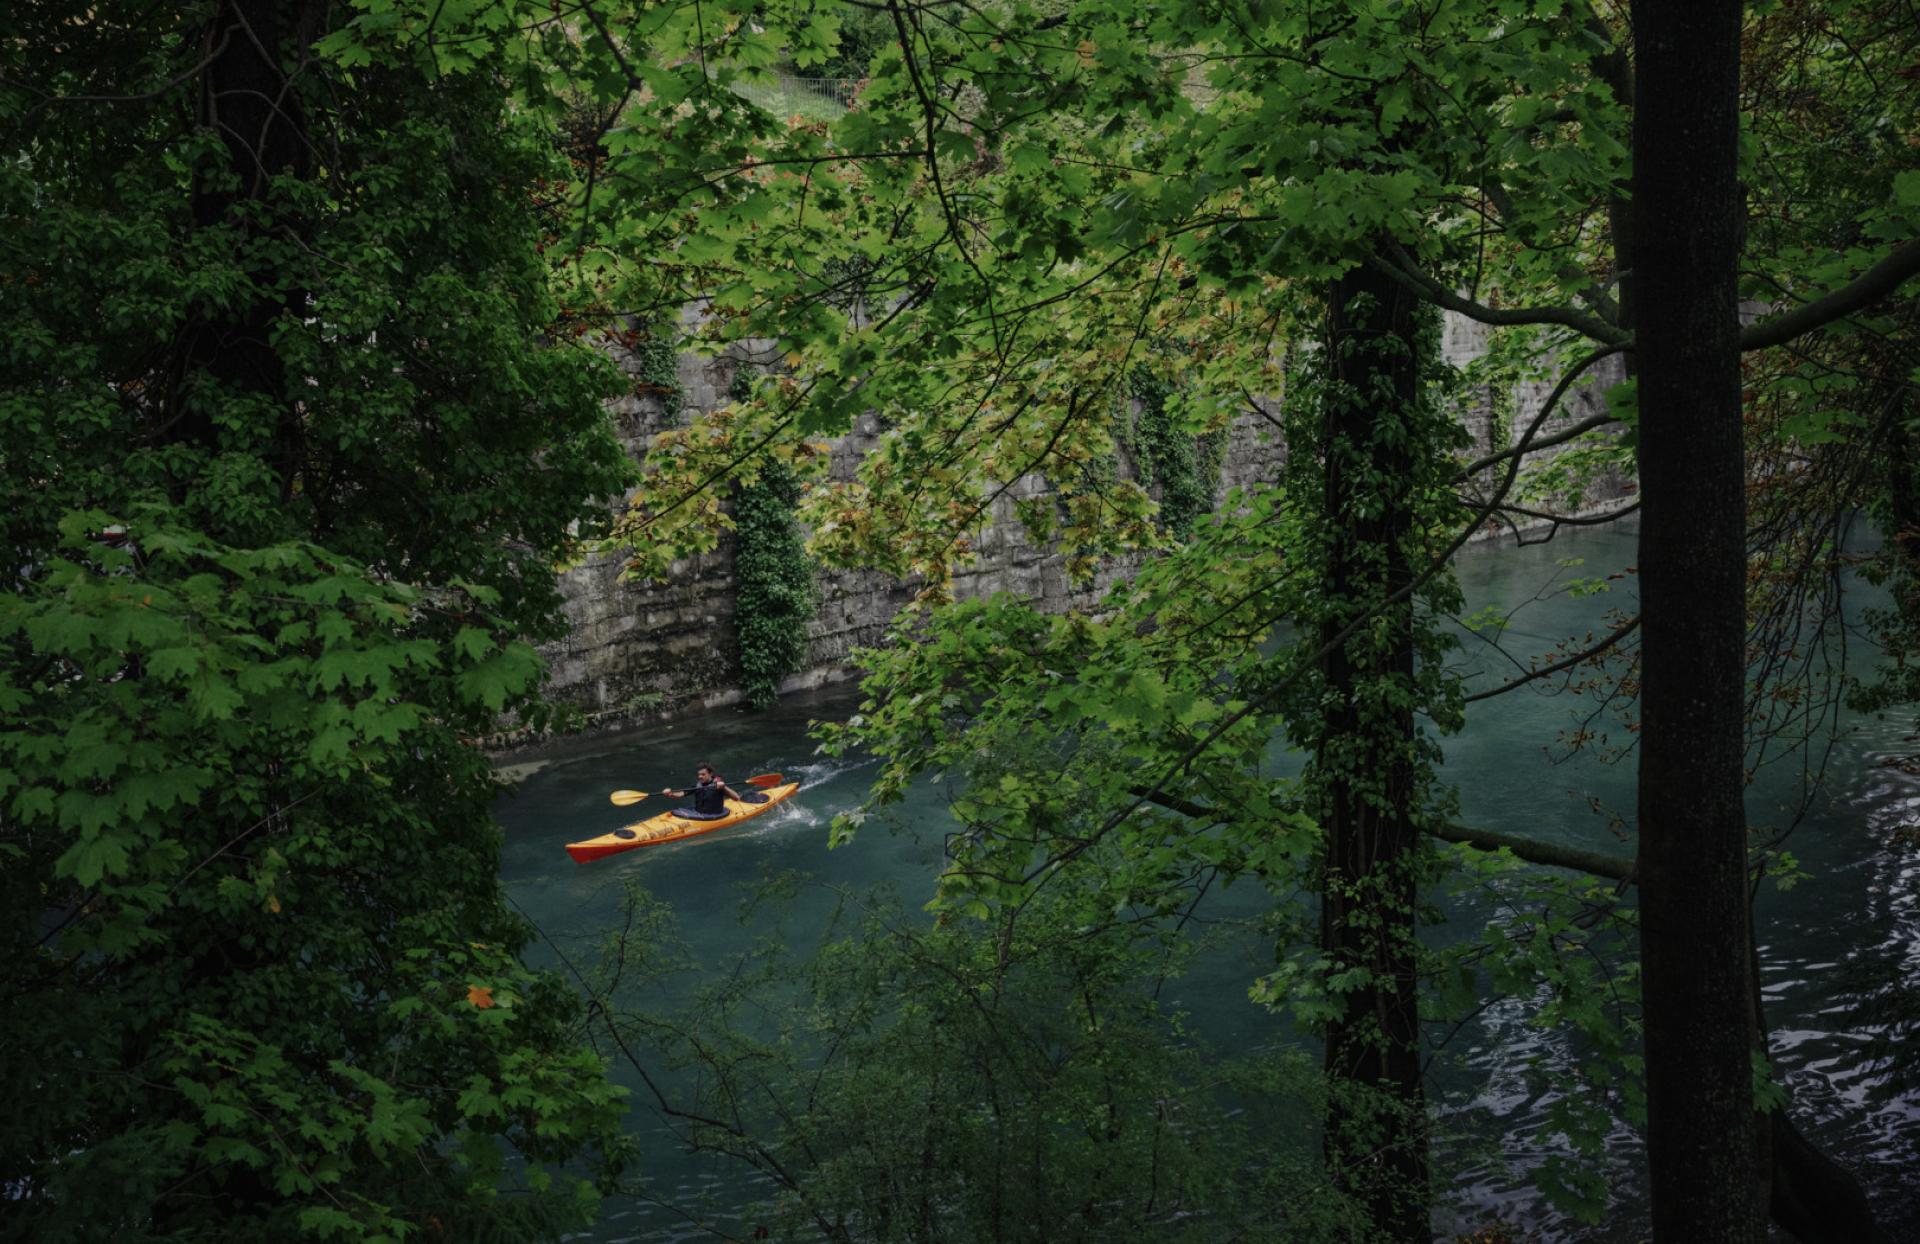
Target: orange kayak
{"type": "Point", "coordinates": [666, 827]}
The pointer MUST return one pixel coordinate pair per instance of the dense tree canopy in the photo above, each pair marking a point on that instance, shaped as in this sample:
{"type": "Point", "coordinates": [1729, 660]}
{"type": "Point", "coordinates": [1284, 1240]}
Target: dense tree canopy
{"type": "Point", "coordinates": [301, 410]}
{"type": "Point", "coordinates": [292, 440]}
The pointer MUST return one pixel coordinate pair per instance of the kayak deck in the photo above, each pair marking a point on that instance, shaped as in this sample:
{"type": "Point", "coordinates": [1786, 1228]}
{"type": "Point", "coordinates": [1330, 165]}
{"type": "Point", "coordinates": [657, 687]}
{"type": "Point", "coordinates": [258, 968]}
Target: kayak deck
{"type": "Point", "coordinates": [666, 827]}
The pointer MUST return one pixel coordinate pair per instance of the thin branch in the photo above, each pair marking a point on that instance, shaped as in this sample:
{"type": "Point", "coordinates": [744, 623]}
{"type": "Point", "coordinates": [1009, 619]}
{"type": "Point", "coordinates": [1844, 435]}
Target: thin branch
{"type": "Point", "coordinates": [1596, 519]}
{"type": "Point", "coordinates": [1531, 439]}
{"type": "Point", "coordinates": [1615, 636]}
{"type": "Point", "coordinates": [214, 54]}
{"type": "Point", "coordinates": [1549, 854]}
{"type": "Point", "coordinates": [940, 194]}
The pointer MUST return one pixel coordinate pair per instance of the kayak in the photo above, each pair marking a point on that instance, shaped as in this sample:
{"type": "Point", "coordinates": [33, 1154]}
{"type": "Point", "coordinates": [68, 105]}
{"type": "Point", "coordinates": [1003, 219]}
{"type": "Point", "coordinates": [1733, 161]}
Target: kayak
{"type": "Point", "coordinates": [670, 827]}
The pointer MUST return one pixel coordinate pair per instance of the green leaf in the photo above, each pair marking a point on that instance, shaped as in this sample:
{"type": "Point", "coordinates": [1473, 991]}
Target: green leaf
{"type": "Point", "coordinates": [1906, 188]}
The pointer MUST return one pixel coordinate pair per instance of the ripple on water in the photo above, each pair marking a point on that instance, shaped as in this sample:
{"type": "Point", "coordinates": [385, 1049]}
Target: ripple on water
{"type": "Point", "coordinates": [1495, 1131]}
{"type": "Point", "coordinates": [801, 812]}
{"type": "Point", "coordinates": [1845, 1014]}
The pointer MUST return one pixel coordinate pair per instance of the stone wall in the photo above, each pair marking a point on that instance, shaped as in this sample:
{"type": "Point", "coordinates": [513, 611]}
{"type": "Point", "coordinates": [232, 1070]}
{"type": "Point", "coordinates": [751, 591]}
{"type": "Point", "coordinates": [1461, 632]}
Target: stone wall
{"type": "Point", "coordinates": [1492, 423]}
{"type": "Point", "coordinates": [638, 650]}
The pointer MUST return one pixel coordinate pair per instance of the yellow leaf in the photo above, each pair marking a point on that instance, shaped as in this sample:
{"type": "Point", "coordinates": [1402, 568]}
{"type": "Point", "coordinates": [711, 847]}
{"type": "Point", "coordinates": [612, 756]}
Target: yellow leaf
{"type": "Point", "coordinates": [480, 995]}
{"type": "Point", "coordinates": [273, 903]}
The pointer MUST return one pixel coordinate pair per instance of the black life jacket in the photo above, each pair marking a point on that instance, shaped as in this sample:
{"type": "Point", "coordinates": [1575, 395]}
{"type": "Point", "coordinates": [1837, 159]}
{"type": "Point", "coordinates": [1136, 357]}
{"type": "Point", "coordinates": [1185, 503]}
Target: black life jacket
{"type": "Point", "coordinates": [708, 798]}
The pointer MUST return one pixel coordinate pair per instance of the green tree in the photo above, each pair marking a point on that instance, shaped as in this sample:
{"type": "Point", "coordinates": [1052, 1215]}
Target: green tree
{"type": "Point", "coordinates": [1376, 443]}
{"type": "Point", "coordinates": [291, 435]}
{"type": "Point", "coordinates": [1019, 1077]}
{"type": "Point", "coordinates": [1022, 301]}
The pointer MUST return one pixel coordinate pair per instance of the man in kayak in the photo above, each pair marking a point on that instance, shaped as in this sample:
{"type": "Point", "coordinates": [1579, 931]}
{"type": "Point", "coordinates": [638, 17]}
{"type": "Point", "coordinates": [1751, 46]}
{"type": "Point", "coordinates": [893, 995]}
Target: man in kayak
{"type": "Point", "coordinates": [709, 795]}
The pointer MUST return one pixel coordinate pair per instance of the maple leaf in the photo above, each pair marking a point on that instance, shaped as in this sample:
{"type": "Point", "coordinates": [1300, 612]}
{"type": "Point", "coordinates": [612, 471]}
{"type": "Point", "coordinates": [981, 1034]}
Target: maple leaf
{"type": "Point", "coordinates": [480, 995]}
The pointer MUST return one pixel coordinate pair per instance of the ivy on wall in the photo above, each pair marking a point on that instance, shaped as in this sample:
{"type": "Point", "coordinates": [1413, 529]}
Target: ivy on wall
{"type": "Point", "coordinates": [774, 591]}
{"type": "Point", "coordinates": [1186, 470]}
{"type": "Point", "coordinates": [1210, 451]}
{"type": "Point", "coordinates": [656, 368]}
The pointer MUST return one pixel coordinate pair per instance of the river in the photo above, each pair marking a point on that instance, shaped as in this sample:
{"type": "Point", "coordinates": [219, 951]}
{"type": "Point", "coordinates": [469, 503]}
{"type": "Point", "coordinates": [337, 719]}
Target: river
{"type": "Point", "coordinates": [1840, 950]}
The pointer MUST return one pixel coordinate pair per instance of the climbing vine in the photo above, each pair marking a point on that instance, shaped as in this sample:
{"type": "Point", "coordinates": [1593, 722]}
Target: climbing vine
{"type": "Point", "coordinates": [1209, 452]}
{"type": "Point", "coordinates": [773, 580]}
{"type": "Point", "coordinates": [656, 370]}
{"type": "Point", "coordinates": [1167, 455]}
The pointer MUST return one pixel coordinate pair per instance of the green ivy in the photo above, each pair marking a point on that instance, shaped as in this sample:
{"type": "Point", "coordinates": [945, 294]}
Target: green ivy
{"type": "Point", "coordinates": [1210, 453]}
{"type": "Point", "coordinates": [657, 372]}
{"type": "Point", "coordinates": [773, 579]}
{"type": "Point", "coordinates": [1167, 456]}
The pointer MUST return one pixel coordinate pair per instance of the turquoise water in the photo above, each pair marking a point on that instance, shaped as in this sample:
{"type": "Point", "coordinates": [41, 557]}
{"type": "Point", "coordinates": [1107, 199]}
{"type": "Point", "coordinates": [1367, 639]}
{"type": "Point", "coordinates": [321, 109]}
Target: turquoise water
{"type": "Point", "coordinates": [1841, 949]}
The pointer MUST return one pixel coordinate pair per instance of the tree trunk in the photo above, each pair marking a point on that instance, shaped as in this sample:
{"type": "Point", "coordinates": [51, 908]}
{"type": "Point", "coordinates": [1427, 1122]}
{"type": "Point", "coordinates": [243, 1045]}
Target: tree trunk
{"type": "Point", "coordinates": [1900, 477]}
{"type": "Point", "coordinates": [1817, 1200]}
{"type": "Point", "coordinates": [248, 98]}
{"type": "Point", "coordinates": [1703, 1147]}
{"type": "Point", "coordinates": [1376, 1139]}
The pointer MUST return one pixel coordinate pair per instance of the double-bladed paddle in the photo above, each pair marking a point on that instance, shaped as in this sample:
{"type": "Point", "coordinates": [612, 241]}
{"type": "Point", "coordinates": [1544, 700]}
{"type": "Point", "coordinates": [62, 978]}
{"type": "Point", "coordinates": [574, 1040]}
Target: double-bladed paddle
{"type": "Point", "coordinates": [626, 798]}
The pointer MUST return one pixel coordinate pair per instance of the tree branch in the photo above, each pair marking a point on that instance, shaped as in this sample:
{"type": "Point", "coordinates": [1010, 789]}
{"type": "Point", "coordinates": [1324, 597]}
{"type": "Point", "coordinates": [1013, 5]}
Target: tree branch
{"type": "Point", "coordinates": [1528, 442]}
{"type": "Point", "coordinates": [1618, 634]}
{"type": "Point", "coordinates": [1594, 519]}
{"type": "Point", "coordinates": [1552, 855]}
{"type": "Point", "coordinates": [1862, 292]}
{"type": "Point", "coordinates": [1570, 432]}
{"type": "Point", "coordinates": [1403, 270]}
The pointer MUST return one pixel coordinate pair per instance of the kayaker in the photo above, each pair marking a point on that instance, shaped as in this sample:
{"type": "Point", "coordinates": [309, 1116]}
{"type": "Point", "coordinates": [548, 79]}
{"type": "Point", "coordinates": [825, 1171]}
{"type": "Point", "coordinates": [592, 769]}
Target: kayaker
{"type": "Point", "coordinates": [709, 796]}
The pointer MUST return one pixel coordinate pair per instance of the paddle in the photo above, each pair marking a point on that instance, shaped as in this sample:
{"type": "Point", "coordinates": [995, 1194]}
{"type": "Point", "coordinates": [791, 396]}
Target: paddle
{"type": "Point", "coordinates": [627, 798]}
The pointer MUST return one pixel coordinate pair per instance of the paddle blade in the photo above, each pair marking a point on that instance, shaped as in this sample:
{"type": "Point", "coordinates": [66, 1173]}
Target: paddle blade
{"type": "Point", "coordinates": [622, 798]}
{"type": "Point", "coordinates": [766, 779]}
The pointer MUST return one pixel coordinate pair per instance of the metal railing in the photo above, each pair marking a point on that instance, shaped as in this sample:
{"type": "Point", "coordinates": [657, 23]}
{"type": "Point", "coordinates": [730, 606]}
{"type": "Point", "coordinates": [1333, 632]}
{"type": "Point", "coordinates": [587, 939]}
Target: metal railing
{"type": "Point", "coordinates": [779, 90]}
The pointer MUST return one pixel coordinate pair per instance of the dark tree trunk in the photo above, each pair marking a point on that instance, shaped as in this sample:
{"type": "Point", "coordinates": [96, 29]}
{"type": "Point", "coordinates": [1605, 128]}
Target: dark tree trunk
{"type": "Point", "coordinates": [1376, 1134]}
{"type": "Point", "coordinates": [1703, 1147]}
{"type": "Point", "coordinates": [248, 99]}
{"type": "Point", "coordinates": [251, 101]}
{"type": "Point", "coordinates": [1817, 1200]}
{"type": "Point", "coordinates": [1900, 476]}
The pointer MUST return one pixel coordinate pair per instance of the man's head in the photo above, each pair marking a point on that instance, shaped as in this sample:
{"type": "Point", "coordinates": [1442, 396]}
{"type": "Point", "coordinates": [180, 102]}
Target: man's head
{"type": "Point", "coordinates": [704, 773]}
